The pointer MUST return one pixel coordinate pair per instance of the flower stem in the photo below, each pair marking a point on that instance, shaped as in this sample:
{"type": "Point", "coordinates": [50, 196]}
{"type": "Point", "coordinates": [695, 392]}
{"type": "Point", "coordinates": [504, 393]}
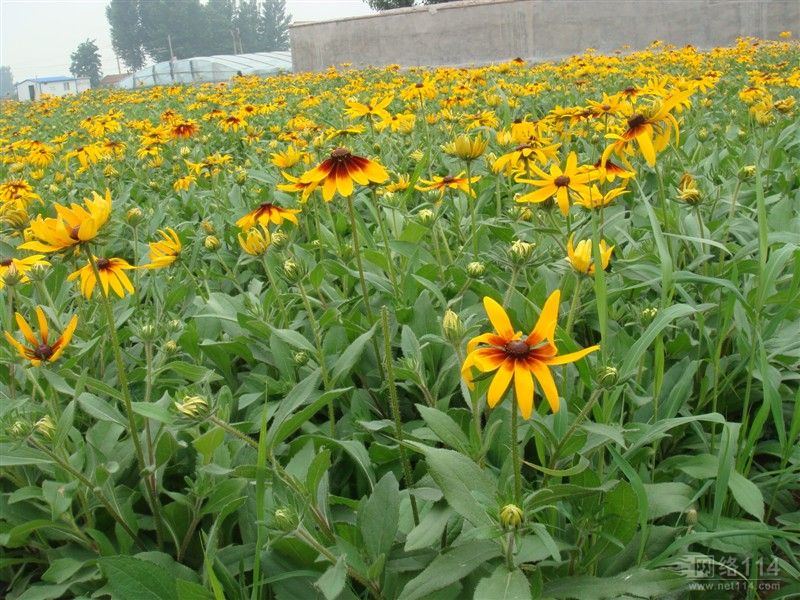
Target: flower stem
{"type": "Point", "coordinates": [278, 292]}
{"type": "Point", "coordinates": [126, 397]}
{"type": "Point", "coordinates": [12, 367]}
{"type": "Point", "coordinates": [385, 236]}
{"type": "Point", "coordinates": [396, 409]}
{"type": "Point", "coordinates": [573, 307]}
{"type": "Point", "coordinates": [326, 382]}
{"type": "Point", "coordinates": [472, 210]}
{"type": "Point", "coordinates": [515, 458]}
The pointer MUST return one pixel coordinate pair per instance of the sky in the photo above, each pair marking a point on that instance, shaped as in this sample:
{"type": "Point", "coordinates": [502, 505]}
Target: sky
{"type": "Point", "coordinates": [38, 36]}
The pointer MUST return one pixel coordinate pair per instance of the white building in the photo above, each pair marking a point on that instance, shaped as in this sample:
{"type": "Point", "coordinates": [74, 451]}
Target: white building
{"type": "Point", "coordinates": [33, 89]}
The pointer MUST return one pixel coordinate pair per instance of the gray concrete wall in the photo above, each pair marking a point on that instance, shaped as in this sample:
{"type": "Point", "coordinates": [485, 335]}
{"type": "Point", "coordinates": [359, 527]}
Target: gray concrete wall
{"type": "Point", "coordinates": [485, 31]}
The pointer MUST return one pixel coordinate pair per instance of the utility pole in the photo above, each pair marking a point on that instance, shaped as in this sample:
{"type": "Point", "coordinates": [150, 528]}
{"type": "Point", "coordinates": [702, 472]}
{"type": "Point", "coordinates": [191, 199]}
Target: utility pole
{"type": "Point", "coordinates": [119, 69]}
{"type": "Point", "coordinates": [171, 53]}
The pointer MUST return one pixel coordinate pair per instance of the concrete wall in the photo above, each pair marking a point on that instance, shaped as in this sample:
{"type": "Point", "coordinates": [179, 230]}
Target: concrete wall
{"type": "Point", "coordinates": [485, 31]}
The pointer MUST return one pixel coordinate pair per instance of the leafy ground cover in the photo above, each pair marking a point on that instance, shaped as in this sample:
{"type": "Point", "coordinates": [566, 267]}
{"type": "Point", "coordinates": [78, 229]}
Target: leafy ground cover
{"type": "Point", "coordinates": [519, 331]}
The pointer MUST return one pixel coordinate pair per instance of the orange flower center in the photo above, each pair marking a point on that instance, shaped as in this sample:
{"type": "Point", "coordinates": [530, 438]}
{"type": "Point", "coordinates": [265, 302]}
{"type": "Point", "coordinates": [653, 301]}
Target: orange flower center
{"type": "Point", "coordinates": [561, 181]}
{"type": "Point", "coordinates": [517, 349]}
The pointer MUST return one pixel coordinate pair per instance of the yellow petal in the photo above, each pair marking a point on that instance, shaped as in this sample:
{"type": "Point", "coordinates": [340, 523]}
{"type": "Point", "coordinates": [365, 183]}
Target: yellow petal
{"type": "Point", "coordinates": [546, 324]}
{"type": "Point", "coordinates": [545, 379]}
{"type": "Point", "coordinates": [499, 318]}
{"type": "Point", "coordinates": [523, 388]}
{"type": "Point", "coordinates": [500, 383]}
{"type": "Point", "coordinates": [572, 357]}
{"type": "Point", "coordinates": [26, 330]}
{"type": "Point", "coordinates": [44, 331]}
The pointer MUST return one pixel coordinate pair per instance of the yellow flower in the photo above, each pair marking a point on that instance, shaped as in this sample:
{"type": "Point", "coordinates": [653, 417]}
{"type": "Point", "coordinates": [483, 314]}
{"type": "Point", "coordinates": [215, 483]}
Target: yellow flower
{"type": "Point", "coordinates": [111, 272]}
{"type": "Point", "coordinates": [582, 259]}
{"type": "Point", "coordinates": [466, 148]}
{"type": "Point", "coordinates": [184, 183]}
{"type": "Point", "coordinates": [520, 358]}
{"type": "Point", "coordinates": [266, 213]}
{"type": "Point", "coordinates": [165, 251]}
{"type": "Point", "coordinates": [374, 108]}
{"type": "Point", "coordinates": [71, 226]}
{"type": "Point", "coordinates": [255, 241]}
{"type": "Point", "coordinates": [596, 199]}
{"type": "Point", "coordinates": [459, 182]}
{"type": "Point", "coordinates": [15, 268]}
{"type": "Point", "coordinates": [338, 173]}
{"type": "Point", "coordinates": [40, 349]}
{"type": "Point", "coordinates": [558, 183]}
{"type": "Point", "coordinates": [289, 158]}
{"type": "Point", "coordinates": [17, 193]}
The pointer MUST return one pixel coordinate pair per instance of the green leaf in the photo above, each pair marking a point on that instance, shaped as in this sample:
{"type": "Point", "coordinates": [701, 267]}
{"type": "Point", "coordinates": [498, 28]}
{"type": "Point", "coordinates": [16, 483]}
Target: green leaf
{"type": "Point", "coordinates": [350, 356]}
{"type": "Point", "coordinates": [430, 528]}
{"type": "Point", "coordinates": [450, 567]}
{"type": "Point", "coordinates": [504, 585]}
{"type": "Point", "coordinates": [207, 443]}
{"type": "Point", "coordinates": [153, 411]}
{"type": "Point", "coordinates": [134, 579]}
{"type": "Point", "coordinates": [14, 455]}
{"type": "Point", "coordinates": [294, 339]}
{"type": "Point", "coordinates": [638, 583]}
{"type": "Point", "coordinates": [379, 515]}
{"type": "Point", "coordinates": [280, 431]}
{"type": "Point", "coordinates": [747, 495]}
{"type": "Point", "coordinates": [467, 488]}
{"type": "Point", "coordinates": [445, 428]}
{"type": "Point", "coordinates": [100, 409]}
{"type": "Point", "coordinates": [667, 498]}
{"type": "Point", "coordinates": [332, 581]}
{"type": "Point", "coordinates": [188, 590]}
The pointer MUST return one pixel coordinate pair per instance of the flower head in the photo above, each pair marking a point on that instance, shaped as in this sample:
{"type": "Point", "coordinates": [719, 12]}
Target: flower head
{"type": "Point", "coordinates": [519, 358]}
{"type": "Point", "coordinates": [40, 349]}
{"type": "Point", "coordinates": [457, 182]}
{"type": "Point", "coordinates": [581, 258]}
{"type": "Point", "coordinates": [111, 272]}
{"type": "Point", "coordinates": [73, 225]}
{"type": "Point", "coordinates": [465, 147]}
{"type": "Point", "coordinates": [267, 213]}
{"type": "Point", "coordinates": [340, 170]}
{"type": "Point", "coordinates": [165, 251]}
{"type": "Point", "coordinates": [558, 183]}
{"type": "Point", "coordinates": [255, 240]}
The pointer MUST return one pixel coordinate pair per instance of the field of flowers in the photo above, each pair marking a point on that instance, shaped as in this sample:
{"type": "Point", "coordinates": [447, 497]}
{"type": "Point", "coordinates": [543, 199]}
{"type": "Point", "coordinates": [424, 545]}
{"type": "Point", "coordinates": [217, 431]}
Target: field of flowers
{"type": "Point", "coordinates": [512, 332]}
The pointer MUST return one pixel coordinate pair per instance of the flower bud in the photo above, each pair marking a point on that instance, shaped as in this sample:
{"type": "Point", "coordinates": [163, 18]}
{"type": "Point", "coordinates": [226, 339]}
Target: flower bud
{"type": "Point", "coordinates": [425, 216]}
{"type": "Point", "coordinates": [346, 252]}
{"type": "Point", "coordinates": [648, 314]}
{"type": "Point", "coordinates": [691, 516]}
{"type": "Point", "coordinates": [280, 239]}
{"type": "Point", "coordinates": [747, 172]}
{"type": "Point", "coordinates": [241, 176]}
{"type": "Point", "coordinates": [171, 347]}
{"type": "Point", "coordinates": [134, 216]}
{"type": "Point", "coordinates": [185, 151]}
{"type": "Point", "coordinates": [452, 327]}
{"type": "Point", "coordinates": [19, 429]}
{"type": "Point", "coordinates": [12, 276]}
{"type": "Point", "coordinates": [175, 325]}
{"type": "Point", "coordinates": [521, 251]}
{"type": "Point", "coordinates": [285, 519]}
{"type": "Point", "coordinates": [607, 376]}
{"type": "Point", "coordinates": [147, 332]}
{"type": "Point", "coordinates": [194, 407]}
{"type": "Point", "coordinates": [208, 227]}
{"type": "Point", "coordinates": [301, 358]}
{"type": "Point", "coordinates": [292, 270]}
{"type": "Point", "coordinates": [702, 134]}
{"type": "Point", "coordinates": [511, 516]}
{"type": "Point", "coordinates": [45, 427]}
{"type": "Point", "coordinates": [476, 269]}
{"type": "Point", "coordinates": [211, 243]}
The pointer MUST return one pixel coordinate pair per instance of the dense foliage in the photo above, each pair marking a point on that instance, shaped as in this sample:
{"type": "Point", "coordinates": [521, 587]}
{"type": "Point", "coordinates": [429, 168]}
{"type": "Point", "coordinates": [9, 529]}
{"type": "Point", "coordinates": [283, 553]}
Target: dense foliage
{"type": "Point", "coordinates": [519, 331]}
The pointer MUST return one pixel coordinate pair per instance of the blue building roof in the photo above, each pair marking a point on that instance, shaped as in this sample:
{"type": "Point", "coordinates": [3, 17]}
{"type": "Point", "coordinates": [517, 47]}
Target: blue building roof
{"type": "Point", "coordinates": [55, 79]}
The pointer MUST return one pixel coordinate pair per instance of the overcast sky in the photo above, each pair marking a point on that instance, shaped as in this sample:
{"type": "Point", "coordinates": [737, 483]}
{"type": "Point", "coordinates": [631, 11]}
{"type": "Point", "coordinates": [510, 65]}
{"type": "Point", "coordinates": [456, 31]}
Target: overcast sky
{"type": "Point", "coordinates": [38, 36]}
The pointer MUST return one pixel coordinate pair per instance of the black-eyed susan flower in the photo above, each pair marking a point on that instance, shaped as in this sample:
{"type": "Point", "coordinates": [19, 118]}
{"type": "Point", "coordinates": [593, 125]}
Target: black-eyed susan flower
{"type": "Point", "coordinates": [289, 158]}
{"type": "Point", "coordinates": [558, 183]}
{"type": "Point", "coordinates": [112, 275]}
{"type": "Point", "coordinates": [15, 269]}
{"type": "Point", "coordinates": [73, 225]}
{"type": "Point", "coordinates": [375, 108]}
{"type": "Point", "coordinates": [17, 193]}
{"type": "Point", "coordinates": [597, 199]}
{"type": "Point", "coordinates": [266, 213]}
{"type": "Point", "coordinates": [453, 182]}
{"type": "Point", "coordinates": [40, 349]}
{"type": "Point", "coordinates": [581, 258]}
{"type": "Point", "coordinates": [255, 240]}
{"type": "Point", "coordinates": [184, 129]}
{"type": "Point", "coordinates": [296, 185]}
{"type": "Point", "coordinates": [466, 148]}
{"type": "Point", "coordinates": [165, 251]}
{"type": "Point", "coordinates": [340, 170]}
{"type": "Point", "coordinates": [519, 358]}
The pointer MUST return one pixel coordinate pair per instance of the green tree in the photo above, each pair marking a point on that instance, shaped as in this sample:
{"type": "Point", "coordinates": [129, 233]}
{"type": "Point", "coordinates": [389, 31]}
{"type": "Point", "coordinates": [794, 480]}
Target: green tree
{"type": "Point", "coordinates": [218, 16]}
{"type": "Point", "coordinates": [86, 62]}
{"type": "Point", "coordinates": [247, 26]}
{"type": "Point", "coordinates": [389, 4]}
{"type": "Point", "coordinates": [180, 23]}
{"type": "Point", "coordinates": [126, 32]}
{"type": "Point", "coordinates": [274, 26]}
{"type": "Point", "coordinates": [6, 82]}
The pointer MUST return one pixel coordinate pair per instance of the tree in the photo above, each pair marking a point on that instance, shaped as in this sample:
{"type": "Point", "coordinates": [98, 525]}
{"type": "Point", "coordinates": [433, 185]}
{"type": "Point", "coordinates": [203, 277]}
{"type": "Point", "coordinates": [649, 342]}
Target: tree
{"type": "Point", "coordinates": [389, 4]}
{"type": "Point", "coordinates": [274, 26]}
{"type": "Point", "coordinates": [219, 21]}
{"type": "Point", "coordinates": [6, 82]}
{"type": "Point", "coordinates": [86, 62]}
{"type": "Point", "coordinates": [180, 23]}
{"type": "Point", "coordinates": [126, 32]}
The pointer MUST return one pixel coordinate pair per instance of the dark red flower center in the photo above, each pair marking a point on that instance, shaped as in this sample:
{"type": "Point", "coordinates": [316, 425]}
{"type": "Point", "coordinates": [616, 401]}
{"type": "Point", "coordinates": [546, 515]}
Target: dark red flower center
{"type": "Point", "coordinates": [6, 262]}
{"type": "Point", "coordinates": [561, 181]}
{"type": "Point", "coordinates": [73, 233]}
{"type": "Point", "coordinates": [448, 179]}
{"type": "Point", "coordinates": [605, 107]}
{"type": "Point", "coordinates": [340, 153]}
{"type": "Point", "coordinates": [266, 206]}
{"type": "Point", "coordinates": [419, 85]}
{"type": "Point", "coordinates": [43, 352]}
{"type": "Point", "coordinates": [636, 121]}
{"type": "Point", "coordinates": [517, 349]}
{"type": "Point", "coordinates": [103, 263]}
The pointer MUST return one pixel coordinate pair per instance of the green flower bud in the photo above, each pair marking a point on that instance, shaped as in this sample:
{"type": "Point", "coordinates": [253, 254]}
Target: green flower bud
{"type": "Point", "coordinates": [452, 327]}
{"type": "Point", "coordinates": [45, 427]}
{"type": "Point", "coordinates": [300, 358]}
{"type": "Point", "coordinates": [193, 407]}
{"type": "Point", "coordinates": [425, 216]}
{"type": "Point", "coordinates": [476, 269]}
{"type": "Point", "coordinates": [511, 516]}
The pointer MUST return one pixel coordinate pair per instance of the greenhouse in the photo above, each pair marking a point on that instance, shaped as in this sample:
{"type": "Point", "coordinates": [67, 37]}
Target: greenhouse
{"type": "Point", "coordinates": [209, 69]}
